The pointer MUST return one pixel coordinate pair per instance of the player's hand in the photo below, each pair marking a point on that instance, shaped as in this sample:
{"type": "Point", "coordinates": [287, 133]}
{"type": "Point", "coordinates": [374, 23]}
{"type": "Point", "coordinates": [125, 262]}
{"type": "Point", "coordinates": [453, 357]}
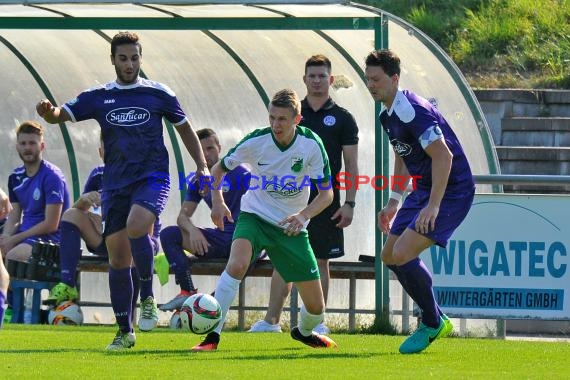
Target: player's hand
{"type": "Point", "coordinates": [94, 198]}
{"type": "Point", "coordinates": [204, 179]}
{"type": "Point", "coordinates": [44, 107]}
{"type": "Point", "coordinates": [7, 243]}
{"type": "Point", "coordinates": [345, 214]}
{"type": "Point", "coordinates": [294, 224]}
{"type": "Point", "coordinates": [386, 215]}
{"type": "Point", "coordinates": [426, 219]}
{"type": "Point", "coordinates": [219, 212]}
{"type": "Point", "coordinates": [198, 243]}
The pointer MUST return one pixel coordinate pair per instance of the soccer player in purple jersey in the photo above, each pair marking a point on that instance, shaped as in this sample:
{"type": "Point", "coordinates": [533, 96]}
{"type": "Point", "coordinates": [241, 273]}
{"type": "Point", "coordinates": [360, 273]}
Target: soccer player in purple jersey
{"type": "Point", "coordinates": [38, 194]}
{"type": "Point", "coordinates": [202, 243]}
{"type": "Point", "coordinates": [5, 208]}
{"type": "Point", "coordinates": [136, 184]}
{"type": "Point", "coordinates": [424, 146]}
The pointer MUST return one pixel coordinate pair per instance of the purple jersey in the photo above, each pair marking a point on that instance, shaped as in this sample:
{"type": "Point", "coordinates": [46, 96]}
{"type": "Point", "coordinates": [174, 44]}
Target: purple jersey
{"type": "Point", "coordinates": [131, 125]}
{"type": "Point", "coordinates": [234, 185]}
{"type": "Point", "coordinates": [412, 124]}
{"type": "Point", "coordinates": [95, 180]}
{"type": "Point", "coordinates": [33, 194]}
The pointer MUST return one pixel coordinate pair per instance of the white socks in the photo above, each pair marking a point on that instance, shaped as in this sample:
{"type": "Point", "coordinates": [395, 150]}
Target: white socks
{"type": "Point", "coordinates": [309, 321]}
{"type": "Point", "coordinates": [226, 291]}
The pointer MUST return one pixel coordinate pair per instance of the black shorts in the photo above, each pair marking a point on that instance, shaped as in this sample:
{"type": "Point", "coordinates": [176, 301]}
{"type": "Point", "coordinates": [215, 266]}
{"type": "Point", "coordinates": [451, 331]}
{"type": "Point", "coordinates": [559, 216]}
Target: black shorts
{"type": "Point", "coordinates": [327, 240]}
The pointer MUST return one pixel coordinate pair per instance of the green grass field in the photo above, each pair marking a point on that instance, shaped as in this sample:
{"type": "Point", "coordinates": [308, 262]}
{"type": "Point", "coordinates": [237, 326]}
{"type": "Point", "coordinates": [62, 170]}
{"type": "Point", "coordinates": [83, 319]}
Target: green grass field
{"type": "Point", "coordinates": [50, 352]}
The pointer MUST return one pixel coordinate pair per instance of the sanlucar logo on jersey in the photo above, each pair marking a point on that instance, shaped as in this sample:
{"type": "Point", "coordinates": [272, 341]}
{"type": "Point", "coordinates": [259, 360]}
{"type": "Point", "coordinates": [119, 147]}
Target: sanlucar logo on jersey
{"type": "Point", "coordinates": [128, 116]}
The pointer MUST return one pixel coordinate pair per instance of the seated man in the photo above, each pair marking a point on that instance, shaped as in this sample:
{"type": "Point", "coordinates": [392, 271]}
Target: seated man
{"type": "Point", "coordinates": [39, 196]}
{"type": "Point", "coordinates": [202, 243]}
{"type": "Point", "coordinates": [84, 221]}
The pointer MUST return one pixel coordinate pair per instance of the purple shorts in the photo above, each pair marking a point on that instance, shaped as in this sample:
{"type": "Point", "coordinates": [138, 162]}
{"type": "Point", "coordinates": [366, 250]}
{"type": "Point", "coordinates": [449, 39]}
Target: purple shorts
{"type": "Point", "coordinates": [452, 211]}
{"type": "Point", "coordinates": [117, 203]}
{"type": "Point", "coordinates": [220, 244]}
{"type": "Point", "coordinates": [100, 250]}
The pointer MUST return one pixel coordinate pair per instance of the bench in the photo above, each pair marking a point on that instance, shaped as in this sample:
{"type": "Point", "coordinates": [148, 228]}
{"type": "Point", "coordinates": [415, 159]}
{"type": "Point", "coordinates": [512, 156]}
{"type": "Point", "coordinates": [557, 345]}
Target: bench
{"type": "Point", "coordinates": [351, 270]}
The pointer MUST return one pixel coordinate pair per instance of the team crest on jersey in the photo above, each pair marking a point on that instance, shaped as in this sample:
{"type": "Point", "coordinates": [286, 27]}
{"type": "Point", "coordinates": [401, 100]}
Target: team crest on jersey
{"type": "Point", "coordinates": [401, 148]}
{"type": "Point", "coordinates": [329, 120]}
{"type": "Point", "coordinates": [433, 102]}
{"type": "Point", "coordinates": [297, 164]}
{"type": "Point", "coordinates": [282, 190]}
{"type": "Point", "coordinates": [128, 116]}
{"type": "Point", "coordinates": [36, 194]}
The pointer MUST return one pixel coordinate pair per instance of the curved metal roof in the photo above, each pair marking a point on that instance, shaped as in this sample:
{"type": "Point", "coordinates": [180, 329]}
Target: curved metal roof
{"type": "Point", "coordinates": [223, 70]}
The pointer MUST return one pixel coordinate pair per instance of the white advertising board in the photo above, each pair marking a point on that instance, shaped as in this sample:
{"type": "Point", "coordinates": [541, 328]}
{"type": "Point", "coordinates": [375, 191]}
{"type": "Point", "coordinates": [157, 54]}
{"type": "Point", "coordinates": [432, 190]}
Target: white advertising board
{"type": "Point", "coordinates": [508, 260]}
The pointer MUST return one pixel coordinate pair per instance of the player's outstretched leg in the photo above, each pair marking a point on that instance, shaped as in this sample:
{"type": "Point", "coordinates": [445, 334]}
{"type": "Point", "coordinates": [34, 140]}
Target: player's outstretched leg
{"type": "Point", "coordinates": [422, 338]}
{"type": "Point", "coordinates": [314, 340]}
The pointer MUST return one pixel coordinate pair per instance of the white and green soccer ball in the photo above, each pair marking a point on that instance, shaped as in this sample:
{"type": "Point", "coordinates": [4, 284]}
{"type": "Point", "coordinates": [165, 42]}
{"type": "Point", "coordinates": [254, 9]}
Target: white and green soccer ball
{"type": "Point", "coordinates": [200, 314]}
{"type": "Point", "coordinates": [66, 313]}
{"type": "Point", "coordinates": [175, 322]}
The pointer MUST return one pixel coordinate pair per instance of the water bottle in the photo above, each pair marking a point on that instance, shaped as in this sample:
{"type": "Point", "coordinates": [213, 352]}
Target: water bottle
{"type": "Point", "coordinates": [28, 301]}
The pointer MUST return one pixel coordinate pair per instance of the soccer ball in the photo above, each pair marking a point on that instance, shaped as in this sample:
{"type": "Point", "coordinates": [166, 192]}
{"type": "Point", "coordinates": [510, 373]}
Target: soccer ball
{"type": "Point", "coordinates": [66, 313]}
{"type": "Point", "coordinates": [175, 323]}
{"type": "Point", "coordinates": [200, 313]}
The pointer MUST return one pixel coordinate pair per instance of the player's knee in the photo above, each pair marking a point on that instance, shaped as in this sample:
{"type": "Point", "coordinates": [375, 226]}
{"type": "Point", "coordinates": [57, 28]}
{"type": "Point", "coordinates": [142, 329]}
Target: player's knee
{"type": "Point", "coordinates": [72, 215]}
{"type": "Point", "coordinates": [387, 257]}
{"type": "Point", "coordinates": [137, 230]}
{"type": "Point", "coordinates": [315, 308]}
{"type": "Point", "coordinates": [237, 268]}
{"type": "Point", "coordinates": [119, 262]}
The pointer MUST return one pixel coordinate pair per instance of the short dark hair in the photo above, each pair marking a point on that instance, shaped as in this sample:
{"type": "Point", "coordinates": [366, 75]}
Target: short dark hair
{"type": "Point", "coordinates": [125, 38]}
{"type": "Point", "coordinates": [318, 60]}
{"type": "Point", "coordinates": [32, 127]}
{"type": "Point", "coordinates": [287, 98]}
{"type": "Point", "coordinates": [204, 133]}
{"type": "Point", "coordinates": [386, 59]}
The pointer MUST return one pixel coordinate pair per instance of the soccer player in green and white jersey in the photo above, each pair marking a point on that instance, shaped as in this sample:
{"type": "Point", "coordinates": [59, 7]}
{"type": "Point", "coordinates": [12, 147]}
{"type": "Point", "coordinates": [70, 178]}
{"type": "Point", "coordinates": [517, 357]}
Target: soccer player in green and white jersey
{"type": "Point", "coordinates": [285, 158]}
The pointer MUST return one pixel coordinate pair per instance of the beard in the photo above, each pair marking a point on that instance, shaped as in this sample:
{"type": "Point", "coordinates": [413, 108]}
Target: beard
{"type": "Point", "coordinates": [30, 158]}
{"type": "Point", "coordinates": [124, 79]}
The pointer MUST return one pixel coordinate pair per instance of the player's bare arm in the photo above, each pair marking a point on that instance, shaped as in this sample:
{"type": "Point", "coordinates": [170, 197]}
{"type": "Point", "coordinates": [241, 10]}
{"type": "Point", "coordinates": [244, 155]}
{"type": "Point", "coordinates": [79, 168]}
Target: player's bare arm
{"type": "Point", "coordinates": [296, 222]}
{"type": "Point", "coordinates": [197, 242]}
{"type": "Point", "coordinates": [47, 226]}
{"type": "Point", "coordinates": [192, 144]}
{"type": "Point", "coordinates": [50, 113]}
{"type": "Point", "coordinates": [441, 159]}
{"type": "Point", "coordinates": [390, 209]}
{"type": "Point", "coordinates": [219, 208]}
